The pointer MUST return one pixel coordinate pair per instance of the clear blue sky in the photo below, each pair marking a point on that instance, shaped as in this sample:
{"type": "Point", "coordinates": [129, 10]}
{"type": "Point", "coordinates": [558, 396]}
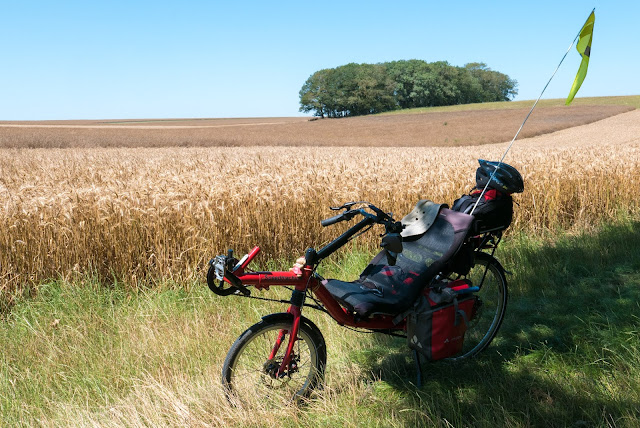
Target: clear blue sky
{"type": "Point", "coordinates": [143, 59]}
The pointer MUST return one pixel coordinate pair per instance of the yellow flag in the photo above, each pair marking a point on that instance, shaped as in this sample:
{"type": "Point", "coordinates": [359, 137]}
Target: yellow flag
{"type": "Point", "coordinates": [584, 49]}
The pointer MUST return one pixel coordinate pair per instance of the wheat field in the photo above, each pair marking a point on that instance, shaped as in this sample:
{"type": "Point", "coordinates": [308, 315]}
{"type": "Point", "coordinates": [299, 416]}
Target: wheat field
{"type": "Point", "coordinates": [157, 214]}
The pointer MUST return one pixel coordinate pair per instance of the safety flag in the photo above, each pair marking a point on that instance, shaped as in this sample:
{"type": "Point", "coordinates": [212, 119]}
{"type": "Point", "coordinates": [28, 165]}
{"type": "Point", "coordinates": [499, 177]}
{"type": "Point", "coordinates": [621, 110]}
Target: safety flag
{"type": "Point", "coordinates": [584, 49]}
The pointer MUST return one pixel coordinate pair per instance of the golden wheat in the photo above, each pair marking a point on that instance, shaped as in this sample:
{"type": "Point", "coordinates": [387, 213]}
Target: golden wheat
{"type": "Point", "coordinates": [142, 214]}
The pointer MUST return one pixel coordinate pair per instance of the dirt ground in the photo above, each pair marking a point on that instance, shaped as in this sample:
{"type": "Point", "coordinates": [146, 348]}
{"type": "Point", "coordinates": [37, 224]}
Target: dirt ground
{"type": "Point", "coordinates": [619, 130]}
{"type": "Point", "coordinates": [434, 129]}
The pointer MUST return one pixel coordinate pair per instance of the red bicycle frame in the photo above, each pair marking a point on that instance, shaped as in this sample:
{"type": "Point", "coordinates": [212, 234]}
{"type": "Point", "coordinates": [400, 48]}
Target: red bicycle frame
{"type": "Point", "coordinates": [307, 281]}
{"type": "Point", "coordinates": [304, 281]}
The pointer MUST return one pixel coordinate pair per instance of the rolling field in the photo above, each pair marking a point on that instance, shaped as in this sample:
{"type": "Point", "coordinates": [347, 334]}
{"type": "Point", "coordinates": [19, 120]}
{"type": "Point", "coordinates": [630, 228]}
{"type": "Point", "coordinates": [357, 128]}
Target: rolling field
{"type": "Point", "coordinates": [106, 229]}
{"type": "Point", "coordinates": [437, 128]}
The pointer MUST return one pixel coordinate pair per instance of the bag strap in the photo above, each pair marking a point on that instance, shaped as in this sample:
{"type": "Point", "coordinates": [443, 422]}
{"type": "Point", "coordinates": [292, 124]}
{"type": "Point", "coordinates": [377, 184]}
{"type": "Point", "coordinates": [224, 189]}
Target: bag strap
{"type": "Point", "coordinates": [459, 314]}
{"type": "Point", "coordinates": [421, 305]}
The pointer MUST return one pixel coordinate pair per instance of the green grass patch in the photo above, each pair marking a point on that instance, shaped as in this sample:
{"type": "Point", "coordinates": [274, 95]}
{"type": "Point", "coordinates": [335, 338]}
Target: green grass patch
{"type": "Point", "coordinates": [631, 100]}
{"type": "Point", "coordinates": [568, 353]}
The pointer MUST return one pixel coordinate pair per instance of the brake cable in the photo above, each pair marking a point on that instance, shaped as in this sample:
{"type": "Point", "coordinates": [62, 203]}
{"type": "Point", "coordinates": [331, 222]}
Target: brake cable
{"type": "Point", "coordinates": [385, 332]}
{"type": "Point", "coordinates": [366, 229]}
{"type": "Point", "coordinates": [266, 299]}
{"type": "Point", "coordinates": [319, 307]}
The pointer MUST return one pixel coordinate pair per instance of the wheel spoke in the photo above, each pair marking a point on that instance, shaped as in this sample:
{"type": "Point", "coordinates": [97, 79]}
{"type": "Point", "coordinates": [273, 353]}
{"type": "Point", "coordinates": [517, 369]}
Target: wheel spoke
{"type": "Point", "coordinates": [249, 375]}
{"type": "Point", "coordinates": [492, 300]}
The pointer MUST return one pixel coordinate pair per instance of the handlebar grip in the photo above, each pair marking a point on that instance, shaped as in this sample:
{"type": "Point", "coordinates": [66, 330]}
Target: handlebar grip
{"type": "Point", "coordinates": [332, 220]}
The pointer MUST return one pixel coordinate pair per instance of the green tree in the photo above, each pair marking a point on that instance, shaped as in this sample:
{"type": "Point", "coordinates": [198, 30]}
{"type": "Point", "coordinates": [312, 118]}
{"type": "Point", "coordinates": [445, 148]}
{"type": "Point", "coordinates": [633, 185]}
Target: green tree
{"type": "Point", "coordinates": [314, 93]}
{"type": "Point", "coordinates": [358, 89]}
{"type": "Point", "coordinates": [414, 82]}
{"type": "Point", "coordinates": [348, 90]}
{"type": "Point", "coordinates": [496, 86]}
{"type": "Point", "coordinates": [371, 90]}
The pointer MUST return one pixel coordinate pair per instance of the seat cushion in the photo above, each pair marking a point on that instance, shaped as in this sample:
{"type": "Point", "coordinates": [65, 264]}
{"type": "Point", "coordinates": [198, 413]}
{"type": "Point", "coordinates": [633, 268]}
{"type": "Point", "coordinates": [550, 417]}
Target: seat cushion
{"type": "Point", "coordinates": [392, 289]}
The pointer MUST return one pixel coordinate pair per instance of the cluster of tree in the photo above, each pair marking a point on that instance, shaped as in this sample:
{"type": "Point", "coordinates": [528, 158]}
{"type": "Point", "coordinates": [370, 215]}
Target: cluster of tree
{"type": "Point", "coordinates": [357, 89]}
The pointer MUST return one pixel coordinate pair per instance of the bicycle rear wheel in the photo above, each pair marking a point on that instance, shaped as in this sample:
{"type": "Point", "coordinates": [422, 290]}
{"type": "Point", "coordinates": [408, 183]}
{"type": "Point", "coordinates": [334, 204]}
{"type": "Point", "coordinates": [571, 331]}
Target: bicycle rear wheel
{"type": "Point", "coordinates": [250, 377]}
{"type": "Point", "coordinates": [488, 274]}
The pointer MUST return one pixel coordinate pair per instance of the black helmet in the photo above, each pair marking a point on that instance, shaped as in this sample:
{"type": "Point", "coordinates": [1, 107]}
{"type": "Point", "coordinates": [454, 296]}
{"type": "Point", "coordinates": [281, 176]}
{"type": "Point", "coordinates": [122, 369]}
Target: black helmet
{"type": "Point", "coordinates": [506, 179]}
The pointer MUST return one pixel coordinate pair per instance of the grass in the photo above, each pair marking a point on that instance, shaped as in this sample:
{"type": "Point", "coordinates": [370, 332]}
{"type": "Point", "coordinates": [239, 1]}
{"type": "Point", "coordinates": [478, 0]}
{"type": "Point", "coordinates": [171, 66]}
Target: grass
{"type": "Point", "coordinates": [629, 100]}
{"type": "Point", "coordinates": [106, 321]}
{"type": "Point", "coordinates": [567, 355]}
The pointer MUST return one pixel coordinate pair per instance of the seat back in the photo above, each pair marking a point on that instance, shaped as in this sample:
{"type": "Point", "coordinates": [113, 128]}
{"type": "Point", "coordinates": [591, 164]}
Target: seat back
{"type": "Point", "coordinates": [387, 289]}
{"type": "Point", "coordinates": [425, 255]}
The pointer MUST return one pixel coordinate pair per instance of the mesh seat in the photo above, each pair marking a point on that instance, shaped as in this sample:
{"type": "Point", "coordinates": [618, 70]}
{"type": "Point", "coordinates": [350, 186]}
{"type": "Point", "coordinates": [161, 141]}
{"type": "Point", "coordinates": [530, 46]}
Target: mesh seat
{"type": "Point", "coordinates": [387, 289]}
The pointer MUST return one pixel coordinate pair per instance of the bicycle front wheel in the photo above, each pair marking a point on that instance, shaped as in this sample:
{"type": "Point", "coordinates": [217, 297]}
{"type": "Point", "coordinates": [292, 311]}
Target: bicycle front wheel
{"type": "Point", "coordinates": [488, 274]}
{"type": "Point", "coordinates": [250, 377]}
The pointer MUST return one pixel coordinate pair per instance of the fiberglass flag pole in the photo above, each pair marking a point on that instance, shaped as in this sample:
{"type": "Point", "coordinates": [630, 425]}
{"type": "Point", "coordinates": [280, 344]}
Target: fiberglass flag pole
{"type": "Point", "coordinates": [584, 48]}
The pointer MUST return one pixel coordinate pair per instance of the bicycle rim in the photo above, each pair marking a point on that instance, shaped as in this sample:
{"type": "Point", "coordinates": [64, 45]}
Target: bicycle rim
{"type": "Point", "coordinates": [490, 307]}
{"type": "Point", "coordinates": [250, 377]}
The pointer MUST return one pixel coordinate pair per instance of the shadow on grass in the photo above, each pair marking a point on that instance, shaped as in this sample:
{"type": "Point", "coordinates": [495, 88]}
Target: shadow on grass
{"type": "Point", "coordinates": [568, 352]}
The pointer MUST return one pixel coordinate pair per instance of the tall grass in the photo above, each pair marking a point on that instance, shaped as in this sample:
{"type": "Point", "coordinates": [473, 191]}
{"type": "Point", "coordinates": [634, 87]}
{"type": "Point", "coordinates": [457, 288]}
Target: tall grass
{"type": "Point", "coordinates": [81, 354]}
{"type": "Point", "coordinates": [631, 101]}
{"type": "Point", "coordinates": [126, 334]}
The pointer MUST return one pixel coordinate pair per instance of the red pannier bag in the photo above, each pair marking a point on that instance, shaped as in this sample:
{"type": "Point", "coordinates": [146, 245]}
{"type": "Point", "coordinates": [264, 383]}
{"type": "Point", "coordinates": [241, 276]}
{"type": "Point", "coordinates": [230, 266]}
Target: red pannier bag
{"type": "Point", "coordinates": [437, 324]}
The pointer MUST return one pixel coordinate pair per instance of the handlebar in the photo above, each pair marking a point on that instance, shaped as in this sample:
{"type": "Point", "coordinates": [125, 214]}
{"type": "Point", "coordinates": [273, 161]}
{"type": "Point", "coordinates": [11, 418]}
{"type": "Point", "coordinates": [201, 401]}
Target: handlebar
{"type": "Point", "coordinates": [392, 240]}
{"type": "Point", "coordinates": [223, 269]}
{"type": "Point", "coordinates": [332, 220]}
{"type": "Point", "coordinates": [380, 217]}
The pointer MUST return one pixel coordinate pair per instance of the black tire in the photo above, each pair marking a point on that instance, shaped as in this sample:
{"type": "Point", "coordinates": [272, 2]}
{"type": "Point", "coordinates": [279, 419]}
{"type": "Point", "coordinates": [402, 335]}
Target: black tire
{"type": "Point", "coordinates": [248, 376]}
{"type": "Point", "coordinates": [488, 274]}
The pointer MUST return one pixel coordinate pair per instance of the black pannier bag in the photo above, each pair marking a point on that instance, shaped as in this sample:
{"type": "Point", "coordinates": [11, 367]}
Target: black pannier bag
{"type": "Point", "coordinates": [436, 325]}
{"type": "Point", "coordinates": [494, 211]}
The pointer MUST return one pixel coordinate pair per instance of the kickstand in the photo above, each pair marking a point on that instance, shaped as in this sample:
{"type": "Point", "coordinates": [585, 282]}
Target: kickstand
{"type": "Point", "coordinates": [416, 358]}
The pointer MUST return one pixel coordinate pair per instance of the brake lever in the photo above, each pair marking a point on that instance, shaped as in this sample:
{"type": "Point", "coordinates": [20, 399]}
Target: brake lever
{"type": "Point", "coordinates": [381, 214]}
{"type": "Point", "coordinates": [340, 207]}
{"type": "Point", "coordinates": [346, 206]}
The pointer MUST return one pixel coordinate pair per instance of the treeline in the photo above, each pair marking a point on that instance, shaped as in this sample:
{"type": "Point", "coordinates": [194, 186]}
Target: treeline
{"type": "Point", "coordinates": [358, 89]}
